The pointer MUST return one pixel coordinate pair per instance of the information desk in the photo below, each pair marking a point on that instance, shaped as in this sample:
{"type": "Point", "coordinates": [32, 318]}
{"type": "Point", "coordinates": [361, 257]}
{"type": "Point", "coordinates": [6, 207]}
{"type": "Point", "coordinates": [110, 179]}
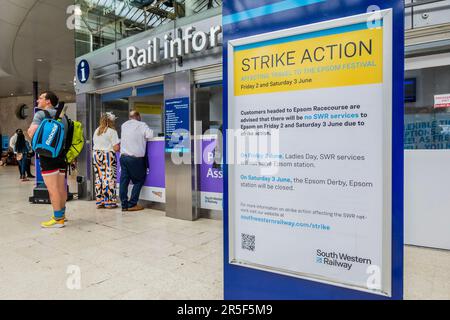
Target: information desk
{"type": "Point", "coordinates": [210, 181]}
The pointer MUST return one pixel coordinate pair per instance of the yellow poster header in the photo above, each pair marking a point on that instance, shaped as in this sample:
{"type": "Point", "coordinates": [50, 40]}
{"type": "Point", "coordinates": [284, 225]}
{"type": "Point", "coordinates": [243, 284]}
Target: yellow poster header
{"type": "Point", "coordinates": [345, 59]}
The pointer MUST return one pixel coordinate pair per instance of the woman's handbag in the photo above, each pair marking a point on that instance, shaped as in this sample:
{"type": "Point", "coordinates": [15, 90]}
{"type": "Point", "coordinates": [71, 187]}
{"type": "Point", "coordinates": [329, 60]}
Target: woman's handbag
{"type": "Point", "coordinates": [19, 156]}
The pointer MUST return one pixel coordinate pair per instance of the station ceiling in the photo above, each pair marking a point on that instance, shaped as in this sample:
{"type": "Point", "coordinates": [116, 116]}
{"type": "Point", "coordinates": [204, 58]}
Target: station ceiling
{"type": "Point", "coordinates": [35, 45]}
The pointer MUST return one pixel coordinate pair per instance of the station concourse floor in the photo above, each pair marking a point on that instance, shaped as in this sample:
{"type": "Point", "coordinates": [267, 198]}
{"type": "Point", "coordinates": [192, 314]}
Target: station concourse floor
{"type": "Point", "coordinates": [136, 255]}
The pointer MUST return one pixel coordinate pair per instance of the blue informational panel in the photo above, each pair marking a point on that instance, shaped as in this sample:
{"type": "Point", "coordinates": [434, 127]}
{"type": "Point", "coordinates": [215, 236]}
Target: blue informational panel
{"type": "Point", "coordinates": [5, 142]}
{"type": "Point", "coordinates": [39, 177]}
{"type": "Point", "coordinates": [311, 209]}
{"type": "Point", "coordinates": [177, 125]}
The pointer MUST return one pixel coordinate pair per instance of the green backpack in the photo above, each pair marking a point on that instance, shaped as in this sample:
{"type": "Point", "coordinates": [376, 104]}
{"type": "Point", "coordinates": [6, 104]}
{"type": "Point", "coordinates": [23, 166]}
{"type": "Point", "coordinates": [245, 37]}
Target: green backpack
{"type": "Point", "coordinates": [74, 140]}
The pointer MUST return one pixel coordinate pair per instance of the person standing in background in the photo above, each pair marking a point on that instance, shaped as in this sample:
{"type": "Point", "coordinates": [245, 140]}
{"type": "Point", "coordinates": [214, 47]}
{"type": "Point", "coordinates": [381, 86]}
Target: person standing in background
{"type": "Point", "coordinates": [28, 155]}
{"type": "Point", "coordinates": [106, 144]}
{"type": "Point", "coordinates": [21, 147]}
{"type": "Point", "coordinates": [135, 134]}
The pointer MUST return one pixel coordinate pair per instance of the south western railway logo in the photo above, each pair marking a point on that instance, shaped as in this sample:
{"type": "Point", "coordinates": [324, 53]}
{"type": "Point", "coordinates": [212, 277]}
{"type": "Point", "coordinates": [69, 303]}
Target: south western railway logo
{"type": "Point", "coordinates": [339, 259]}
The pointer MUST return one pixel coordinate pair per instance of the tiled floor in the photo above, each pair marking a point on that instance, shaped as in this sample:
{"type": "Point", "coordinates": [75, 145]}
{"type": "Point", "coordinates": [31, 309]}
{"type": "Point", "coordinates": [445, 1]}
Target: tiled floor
{"type": "Point", "coordinates": [427, 274]}
{"type": "Point", "coordinates": [141, 255]}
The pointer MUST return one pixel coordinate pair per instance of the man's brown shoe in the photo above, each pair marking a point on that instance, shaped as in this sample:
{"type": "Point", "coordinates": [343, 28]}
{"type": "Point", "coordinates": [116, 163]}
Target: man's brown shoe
{"type": "Point", "coordinates": [136, 208]}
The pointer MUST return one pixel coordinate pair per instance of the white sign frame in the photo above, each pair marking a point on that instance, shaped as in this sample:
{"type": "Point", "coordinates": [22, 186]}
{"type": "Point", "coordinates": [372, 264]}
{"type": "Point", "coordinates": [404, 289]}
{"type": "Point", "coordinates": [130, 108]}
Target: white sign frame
{"type": "Point", "coordinates": [386, 271]}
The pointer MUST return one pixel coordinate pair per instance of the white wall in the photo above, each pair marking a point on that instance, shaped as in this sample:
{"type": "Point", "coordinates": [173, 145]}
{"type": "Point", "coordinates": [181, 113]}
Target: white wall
{"type": "Point", "coordinates": [9, 122]}
{"type": "Point", "coordinates": [427, 172]}
{"type": "Point", "coordinates": [427, 198]}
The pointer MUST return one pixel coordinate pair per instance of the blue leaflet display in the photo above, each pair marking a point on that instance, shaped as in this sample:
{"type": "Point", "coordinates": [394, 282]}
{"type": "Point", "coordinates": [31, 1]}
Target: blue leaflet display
{"type": "Point", "coordinates": [177, 125]}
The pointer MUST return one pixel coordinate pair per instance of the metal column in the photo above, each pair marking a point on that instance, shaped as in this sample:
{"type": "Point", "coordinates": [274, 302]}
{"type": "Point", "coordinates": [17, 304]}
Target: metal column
{"type": "Point", "coordinates": [87, 104]}
{"type": "Point", "coordinates": [181, 194]}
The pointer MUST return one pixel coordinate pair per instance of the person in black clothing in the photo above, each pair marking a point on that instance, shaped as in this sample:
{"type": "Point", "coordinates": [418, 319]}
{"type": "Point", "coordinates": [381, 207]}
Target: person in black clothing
{"type": "Point", "coordinates": [21, 149]}
{"type": "Point", "coordinates": [28, 155]}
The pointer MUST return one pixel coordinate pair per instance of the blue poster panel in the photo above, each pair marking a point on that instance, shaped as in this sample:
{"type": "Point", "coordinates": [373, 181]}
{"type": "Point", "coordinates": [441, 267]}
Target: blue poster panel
{"type": "Point", "coordinates": [177, 125]}
{"type": "Point", "coordinates": [38, 174]}
{"type": "Point", "coordinates": [313, 188]}
{"type": "Point", "coordinates": [5, 142]}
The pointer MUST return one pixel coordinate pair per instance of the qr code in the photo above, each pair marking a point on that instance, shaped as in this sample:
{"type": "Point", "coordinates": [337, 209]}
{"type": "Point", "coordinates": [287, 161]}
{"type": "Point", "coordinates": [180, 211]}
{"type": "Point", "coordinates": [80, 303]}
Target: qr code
{"type": "Point", "coordinates": [248, 242]}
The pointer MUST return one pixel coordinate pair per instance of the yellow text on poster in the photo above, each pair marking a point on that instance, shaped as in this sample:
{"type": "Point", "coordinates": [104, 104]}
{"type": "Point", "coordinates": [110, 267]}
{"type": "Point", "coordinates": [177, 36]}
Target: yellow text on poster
{"type": "Point", "coordinates": [345, 59]}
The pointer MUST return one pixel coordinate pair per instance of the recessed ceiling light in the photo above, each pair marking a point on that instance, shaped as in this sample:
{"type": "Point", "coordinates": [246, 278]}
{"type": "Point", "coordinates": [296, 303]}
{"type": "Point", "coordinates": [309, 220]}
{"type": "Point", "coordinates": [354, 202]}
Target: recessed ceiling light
{"type": "Point", "coordinates": [39, 60]}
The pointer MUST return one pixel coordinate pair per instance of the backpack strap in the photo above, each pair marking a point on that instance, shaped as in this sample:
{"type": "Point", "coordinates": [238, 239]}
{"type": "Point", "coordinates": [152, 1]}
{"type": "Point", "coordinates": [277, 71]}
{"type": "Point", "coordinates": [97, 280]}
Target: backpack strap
{"type": "Point", "coordinates": [47, 114]}
{"type": "Point", "coordinates": [60, 110]}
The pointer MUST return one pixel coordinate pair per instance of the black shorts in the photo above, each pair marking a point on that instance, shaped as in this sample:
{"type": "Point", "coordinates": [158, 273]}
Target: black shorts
{"type": "Point", "coordinates": [51, 166]}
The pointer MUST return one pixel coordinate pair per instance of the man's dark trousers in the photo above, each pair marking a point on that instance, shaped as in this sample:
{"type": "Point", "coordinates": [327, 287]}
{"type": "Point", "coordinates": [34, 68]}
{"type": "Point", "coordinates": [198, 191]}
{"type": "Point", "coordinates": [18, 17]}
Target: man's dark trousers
{"type": "Point", "coordinates": [132, 169]}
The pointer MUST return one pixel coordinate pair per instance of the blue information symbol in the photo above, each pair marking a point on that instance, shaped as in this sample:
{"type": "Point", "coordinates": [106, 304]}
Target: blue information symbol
{"type": "Point", "coordinates": [83, 71]}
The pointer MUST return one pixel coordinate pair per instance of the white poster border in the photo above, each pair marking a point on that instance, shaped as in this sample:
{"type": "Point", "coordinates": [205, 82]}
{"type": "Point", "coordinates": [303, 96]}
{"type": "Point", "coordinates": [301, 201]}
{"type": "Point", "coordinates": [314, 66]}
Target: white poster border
{"type": "Point", "coordinates": [386, 271]}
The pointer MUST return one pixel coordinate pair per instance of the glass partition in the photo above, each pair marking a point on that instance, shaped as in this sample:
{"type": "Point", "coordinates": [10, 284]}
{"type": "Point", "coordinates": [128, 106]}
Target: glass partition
{"type": "Point", "coordinates": [427, 123]}
{"type": "Point", "coordinates": [208, 106]}
{"type": "Point", "coordinates": [120, 109]}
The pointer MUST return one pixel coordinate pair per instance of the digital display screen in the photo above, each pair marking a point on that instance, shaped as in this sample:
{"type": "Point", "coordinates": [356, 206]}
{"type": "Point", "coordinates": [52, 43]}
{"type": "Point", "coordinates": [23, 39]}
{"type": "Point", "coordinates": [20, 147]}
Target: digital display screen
{"type": "Point", "coordinates": [410, 90]}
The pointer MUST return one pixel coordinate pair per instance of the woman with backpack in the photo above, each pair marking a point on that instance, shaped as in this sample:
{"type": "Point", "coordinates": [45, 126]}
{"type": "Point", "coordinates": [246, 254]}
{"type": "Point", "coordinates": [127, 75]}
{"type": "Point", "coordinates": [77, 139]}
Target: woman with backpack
{"type": "Point", "coordinates": [21, 149]}
{"type": "Point", "coordinates": [106, 144]}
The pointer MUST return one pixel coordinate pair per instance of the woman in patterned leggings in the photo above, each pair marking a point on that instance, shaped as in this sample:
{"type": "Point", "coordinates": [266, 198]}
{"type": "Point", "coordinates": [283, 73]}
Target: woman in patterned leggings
{"type": "Point", "coordinates": [106, 144]}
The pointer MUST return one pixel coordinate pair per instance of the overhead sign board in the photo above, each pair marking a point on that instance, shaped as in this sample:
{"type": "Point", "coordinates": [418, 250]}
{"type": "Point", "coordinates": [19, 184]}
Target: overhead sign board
{"type": "Point", "coordinates": [187, 44]}
{"type": "Point", "coordinates": [190, 42]}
